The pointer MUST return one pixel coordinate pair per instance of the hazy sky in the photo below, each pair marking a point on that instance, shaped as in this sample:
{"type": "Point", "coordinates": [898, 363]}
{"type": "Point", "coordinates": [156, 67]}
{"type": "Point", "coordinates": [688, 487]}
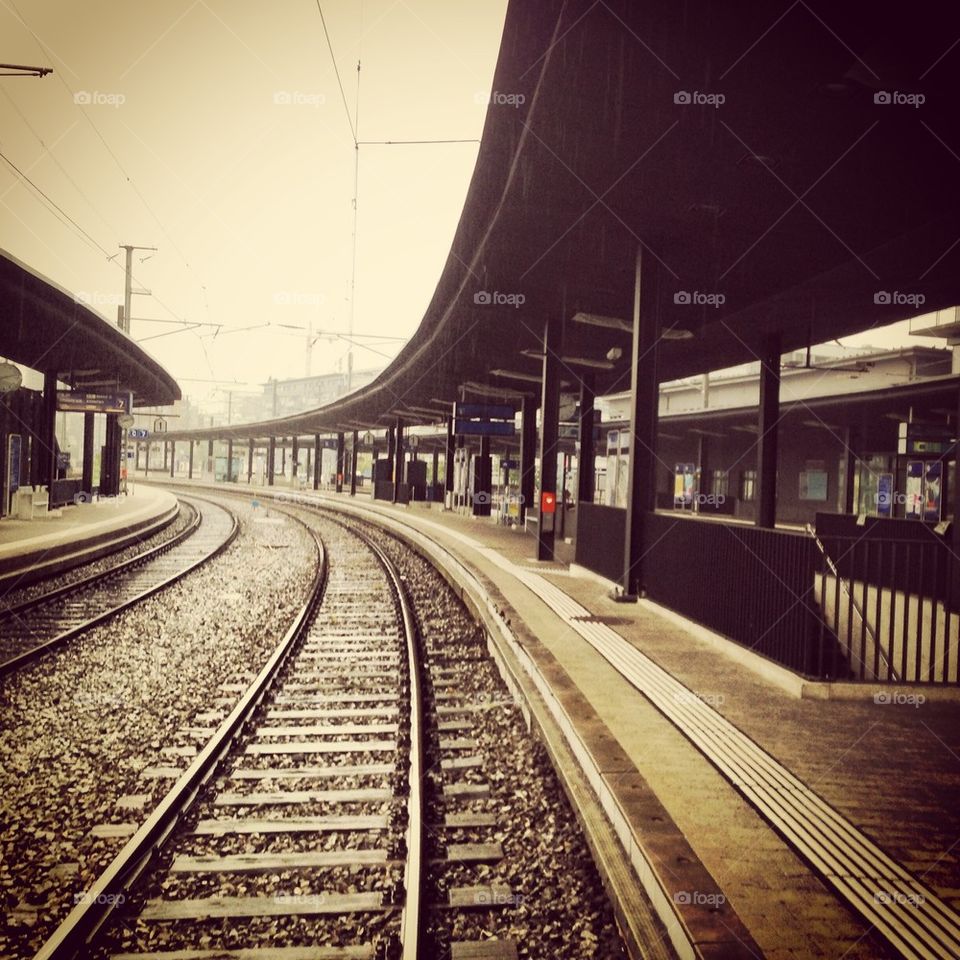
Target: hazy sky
{"type": "Point", "coordinates": [215, 131]}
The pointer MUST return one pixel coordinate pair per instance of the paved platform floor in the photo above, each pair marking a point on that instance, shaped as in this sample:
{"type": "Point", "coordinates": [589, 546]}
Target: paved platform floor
{"type": "Point", "coordinates": [892, 769]}
{"type": "Point", "coordinates": [28, 542]}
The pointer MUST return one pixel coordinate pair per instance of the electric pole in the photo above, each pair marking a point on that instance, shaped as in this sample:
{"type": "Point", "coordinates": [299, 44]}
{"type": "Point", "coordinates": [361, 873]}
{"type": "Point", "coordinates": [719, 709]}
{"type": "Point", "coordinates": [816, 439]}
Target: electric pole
{"type": "Point", "coordinates": [128, 291]}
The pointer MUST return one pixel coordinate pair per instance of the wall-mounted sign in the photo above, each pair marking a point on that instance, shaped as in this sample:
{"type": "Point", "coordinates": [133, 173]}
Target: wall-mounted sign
{"type": "Point", "coordinates": [138, 433]}
{"type": "Point", "coordinates": [932, 490]}
{"type": "Point", "coordinates": [76, 401]}
{"type": "Point", "coordinates": [914, 504]}
{"type": "Point", "coordinates": [885, 495]}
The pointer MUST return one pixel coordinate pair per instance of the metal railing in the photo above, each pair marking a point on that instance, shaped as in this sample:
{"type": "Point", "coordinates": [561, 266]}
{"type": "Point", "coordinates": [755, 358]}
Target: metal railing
{"type": "Point", "coordinates": [892, 605]}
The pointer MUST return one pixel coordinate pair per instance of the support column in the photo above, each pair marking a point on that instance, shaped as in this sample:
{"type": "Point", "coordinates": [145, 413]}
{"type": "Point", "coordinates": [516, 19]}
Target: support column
{"type": "Point", "coordinates": [173, 458]}
{"type": "Point", "coordinates": [955, 498]}
{"type": "Point", "coordinates": [294, 458]}
{"type": "Point", "coordinates": [112, 443]}
{"type": "Point", "coordinates": [189, 461]}
{"type": "Point", "coordinates": [146, 460]}
{"type": "Point", "coordinates": [391, 450]}
{"type": "Point", "coordinates": [317, 461]}
{"type": "Point", "coordinates": [849, 444]}
{"type": "Point", "coordinates": [644, 397]}
{"type": "Point", "coordinates": [448, 462]}
{"type": "Point", "coordinates": [586, 453]}
{"type": "Point", "coordinates": [353, 463]}
{"type": "Point", "coordinates": [435, 469]}
{"type": "Point", "coordinates": [166, 455]}
{"type": "Point", "coordinates": [308, 473]}
{"type": "Point", "coordinates": [86, 482]}
{"type": "Point", "coordinates": [48, 433]}
{"type": "Point", "coordinates": [210, 459]}
{"type": "Point", "coordinates": [484, 480]}
{"type": "Point", "coordinates": [398, 458]}
{"type": "Point", "coordinates": [341, 462]}
{"type": "Point", "coordinates": [767, 437]}
{"type": "Point", "coordinates": [550, 407]}
{"type": "Point", "coordinates": [229, 461]}
{"type": "Point", "coordinates": [703, 469]}
{"type": "Point", "coordinates": [283, 457]}
{"type": "Point", "coordinates": [271, 460]}
{"type": "Point", "coordinates": [250, 460]}
{"type": "Point", "coordinates": [528, 453]}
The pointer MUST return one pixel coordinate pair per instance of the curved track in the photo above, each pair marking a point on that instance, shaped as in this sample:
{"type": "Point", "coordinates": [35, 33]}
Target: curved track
{"type": "Point", "coordinates": [336, 713]}
{"type": "Point", "coordinates": [31, 629]}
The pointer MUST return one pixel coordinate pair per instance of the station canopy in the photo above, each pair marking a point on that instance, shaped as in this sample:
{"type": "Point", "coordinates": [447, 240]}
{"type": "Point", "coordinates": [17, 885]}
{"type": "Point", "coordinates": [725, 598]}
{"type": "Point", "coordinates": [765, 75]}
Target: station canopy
{"type": "Point", "coordinates": [794, 173]}
{"type": "Point", "coordinates": [46, 328]}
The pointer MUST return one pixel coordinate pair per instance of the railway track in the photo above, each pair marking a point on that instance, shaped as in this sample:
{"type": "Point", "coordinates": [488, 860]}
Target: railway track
{"type": "Point", "coordinates": [34, 627]}
{"type": "Point", "coordinates": [299, 832]}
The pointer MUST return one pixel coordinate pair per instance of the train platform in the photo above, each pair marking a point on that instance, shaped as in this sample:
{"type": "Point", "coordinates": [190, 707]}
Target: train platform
{"type": "Point", "coordinates": [80, 533]}
{"type": "Point", "coordinates": [768, 817]}
{"type": "Point", "coordinates": [805, 810]}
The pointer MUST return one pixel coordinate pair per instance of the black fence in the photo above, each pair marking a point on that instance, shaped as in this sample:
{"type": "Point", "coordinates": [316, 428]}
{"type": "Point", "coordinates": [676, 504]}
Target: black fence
{"type": "Point", "coordinates": [753, 585]}
{"type": "Point", "coordinates": [890, 592]}
{"type": "Point", "coordinates": [600, 539]}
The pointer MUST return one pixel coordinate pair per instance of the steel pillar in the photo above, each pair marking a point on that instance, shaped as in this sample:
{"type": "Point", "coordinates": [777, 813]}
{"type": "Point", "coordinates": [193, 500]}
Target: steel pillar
{"type": "Point", "coordinates": [146, 459]}
{"type": "Point", "coordinates": [166, 455]}
{"type": "Point", "coordinates": [271, 460]}
{"type": "Point", "coordinates": [484, 480]}
{"type": "Point", "coordinates": [341, 462]}
{"type": "Point", "coordinates": [173, 458]}
{"type": "Point", "coordinates": [550, 406]}
{"type": "Point", "coordinates": [250, 461]}
{"type": "Point", "coordinates": [448, 461]}
{"type": "Point", "coordinates": [644, 397]}
{"type": "Point", "coordinates": [528, 454]}
{"type": "Point", "coordinates": [229, 461]}
{"type": "Point", "coordinates": [849, 444]}
{"type": "Point", "coordinates": [86, 482]}
{"type": "Point", "coordinates": [189, 461]}
{"type": "Point", "coordinates": [398, 458]}
{"type": "Point", "coordinates": [391, 450]}
{"type": "Point", "coordinates": [769, 417]}
{"type": "Point", "coordinates": [353, 463]}
{"type": "Point", "coordinates": [435, 469]}
{"type": "Point", "coordinates": [48, 433]}
{"type": "Point", "coordinates": [294, 457]}
{"type": "Point", "coordinates": [317, 461]}
{"type": "Point", "coordinates": [585, 453]}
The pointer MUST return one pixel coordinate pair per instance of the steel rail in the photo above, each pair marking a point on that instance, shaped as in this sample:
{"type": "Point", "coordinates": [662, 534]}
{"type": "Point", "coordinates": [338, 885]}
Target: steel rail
{"type": "Point", "coordinates": [411, 917]}
{"type": "Point", "coordinates": [57, 593]}
{"type": "Point", "coordinates": [74, 933]}
{"type": "Point", "coordinates": [35, 653]}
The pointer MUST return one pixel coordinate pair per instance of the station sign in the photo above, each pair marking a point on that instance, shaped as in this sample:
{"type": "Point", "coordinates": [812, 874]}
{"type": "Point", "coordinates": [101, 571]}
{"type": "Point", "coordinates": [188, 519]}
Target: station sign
{"type": "Point", "coordinates": [138, 433]}
{"type": "Point", "coordinates": [483, 419]}
{"type": "Point", "coordinates": [77, 401]}
{"type": "Point", "coordinates": [483, 411]}
{"type": "Point", "coordinates": [484, 428]}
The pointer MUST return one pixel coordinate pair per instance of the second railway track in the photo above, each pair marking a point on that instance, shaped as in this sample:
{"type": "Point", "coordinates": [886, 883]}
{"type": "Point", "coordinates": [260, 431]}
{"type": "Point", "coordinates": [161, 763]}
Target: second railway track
{"type": "Point", "coordinates": [34, 627]}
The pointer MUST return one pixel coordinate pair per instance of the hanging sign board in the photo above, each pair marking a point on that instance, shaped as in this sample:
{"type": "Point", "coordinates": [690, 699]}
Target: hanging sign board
{"type": "Point", "coordinates": [76, 401]}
